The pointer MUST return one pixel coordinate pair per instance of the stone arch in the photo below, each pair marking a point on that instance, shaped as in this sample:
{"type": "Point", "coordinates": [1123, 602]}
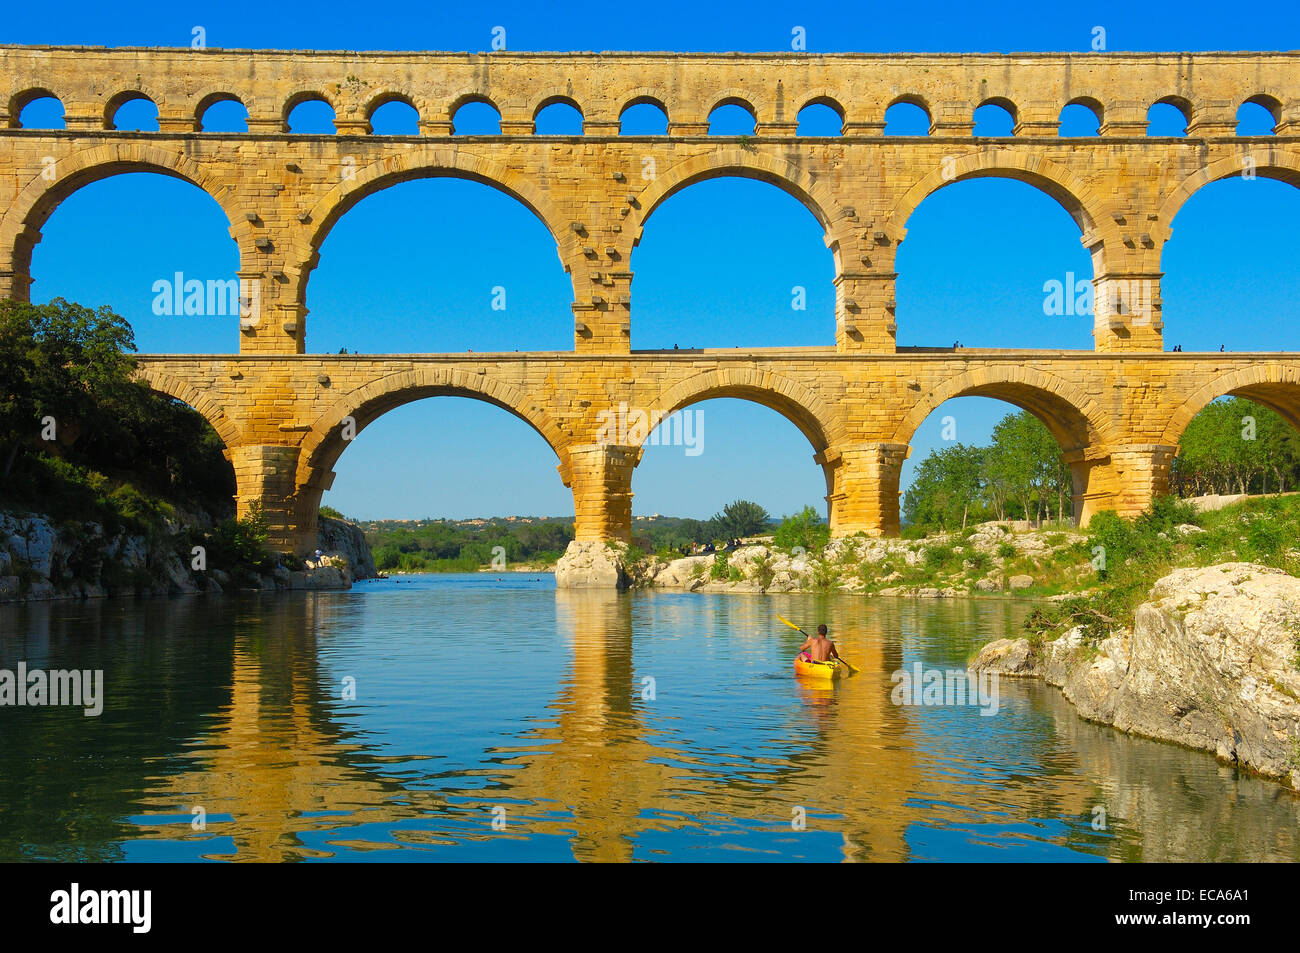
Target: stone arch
{"type": "Point", "coordinates": [469, 96]}
{"type": "Point", "coordinates": [1268, 101]}
{"type": "Point", "coordinates": [644, 94]}
{"type": "Point", "coordinates": [210, 97]}
{"type": "Point", "coordinates": [909, 99]}
{"type": "Point", "coordinates": [323, 444]}
{"type": "Point", "coordinates": [822, 96]}
{"type": "Point", "coordinates": [792, 400]}
{"type": "Point", "coordinates": [1001, 102]}
{"type": "Point", "coordinates": [181, 389]}
{"type": "Point", "coordinates": [24, 97]}
{"type": "Point", "coordinates": [1182, 104]}
{"type": "Point", "coordinates": [550, 98]}
{"type": "Point", "coordinates": [1071, 415]}
{"type": "Point", "coordinates": [1093, 104]}
{"type": "Point", "coordinates": [296, 99]}
{"type": "Point", "coordinates": [734, 96]}
{"type": "Point", "coordinates": [1273, 385]}
{"type": "Point", "coordinates": [1271, 161]}
{"type": "Point", "coordinates": [405, 167]}
{"type": "Point", "coordinates": [790, 178]}
{"type": "Point", "coordinates": [1074, 195]}
{"type": "Point", "coordinates": [21, 223]}
{"type": "Point", "coordinates": [391, 94]}
{"type": "Point", "coordinates": [127, 95]}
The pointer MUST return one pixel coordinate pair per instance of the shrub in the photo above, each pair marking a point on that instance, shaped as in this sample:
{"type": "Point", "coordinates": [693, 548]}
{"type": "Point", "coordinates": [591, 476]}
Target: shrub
{"type": "Point", "coordinates": [802, 529]}
{"type": "Point", "coordinates": [939, 556]}
{"type": "Point", "coordinates": [762, 571]}
{"type": "Point", "coordinates": [1007, 551]}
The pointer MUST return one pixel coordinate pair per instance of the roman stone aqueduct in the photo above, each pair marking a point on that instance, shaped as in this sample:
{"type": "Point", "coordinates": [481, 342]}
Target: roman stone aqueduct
{"type": "Point", "coordinates": [285, 415]}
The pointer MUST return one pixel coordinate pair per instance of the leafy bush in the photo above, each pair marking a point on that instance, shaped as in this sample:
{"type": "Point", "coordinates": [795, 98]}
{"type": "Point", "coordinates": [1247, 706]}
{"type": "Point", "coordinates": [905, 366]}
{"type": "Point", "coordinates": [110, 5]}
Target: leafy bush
{"type": "Point", "coordinates": [761, 571]}
{"type": "Point", "coordinates": [939, 556]}
{"type": "Point", "coordinates": [804, 529]}
{"type": "Point", "coordinates": [239, 544]}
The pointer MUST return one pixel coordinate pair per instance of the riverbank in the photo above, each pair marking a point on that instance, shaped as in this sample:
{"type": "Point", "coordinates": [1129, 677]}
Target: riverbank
{"type": "Point", "coordinates": [989, 559]}
{"type": "Point", "coordinates": [1211, 662]}
{"type": "Point", "coordinates": [44, 559]}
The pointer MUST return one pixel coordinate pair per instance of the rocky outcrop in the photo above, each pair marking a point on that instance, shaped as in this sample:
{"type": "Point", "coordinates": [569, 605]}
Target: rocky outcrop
{"type": "Point", "coordinates": [41, 560]}
{"type": "Point", "coordinates": [593, 564]}
{"type": "Point", "coordinates": [974, 563]}
{"type": "Point", "coordinates": [1210, 663]}
{"type": "Point", "coordinates": [345, 539]}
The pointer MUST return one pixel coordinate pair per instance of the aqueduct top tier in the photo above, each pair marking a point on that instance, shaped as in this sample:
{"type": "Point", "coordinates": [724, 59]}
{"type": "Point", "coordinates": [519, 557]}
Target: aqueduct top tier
{"type": "Point", "coordinates": [282, 192]}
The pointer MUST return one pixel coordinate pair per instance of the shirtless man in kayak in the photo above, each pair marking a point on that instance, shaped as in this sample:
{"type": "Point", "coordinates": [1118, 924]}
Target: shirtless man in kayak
{"type": "Point", "coordinates": [818, 648]}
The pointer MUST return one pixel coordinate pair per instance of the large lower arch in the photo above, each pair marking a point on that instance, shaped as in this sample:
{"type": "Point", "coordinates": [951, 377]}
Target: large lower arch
{"type": "Point", "coordinates": [20, 226]}
{"type": "Point", "coordinates": [405, 167]}
{"type": "Point", "coordinates": [1067, 411]}
{"type": "Point", "coordinates": [734, 161]}
{"type": "Point", "coordinates": [1074, 195]}
{"type": "Point", "coordinates": [1079, 427]}
{"type": "Point", "coordinates": [807, 410]}
{"type": "Point", "coordinates": [801, 406]}
{"type": "Point", "coordinates": [331, 432]}
{"type": "Point", "coordinates": [214, 413]}
{"type": "Point", "coordinates": [1273, 385]}
{"type": "Point", "coordinates": [1270, 162]}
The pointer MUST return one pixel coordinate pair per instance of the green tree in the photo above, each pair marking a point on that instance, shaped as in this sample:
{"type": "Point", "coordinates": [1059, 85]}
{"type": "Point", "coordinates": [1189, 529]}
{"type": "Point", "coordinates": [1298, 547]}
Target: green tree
{"type": "Point", "coordinates": [947, 488]}
{"type": "Point", "coordinates": [739, 518]}
{"type": "Point", "coordinates": [804, 529]}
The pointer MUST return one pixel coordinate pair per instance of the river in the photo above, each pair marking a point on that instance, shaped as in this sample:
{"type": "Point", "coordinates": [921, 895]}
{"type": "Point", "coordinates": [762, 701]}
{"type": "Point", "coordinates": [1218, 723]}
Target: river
{"type": "Point", "coordinates": [471, 718]}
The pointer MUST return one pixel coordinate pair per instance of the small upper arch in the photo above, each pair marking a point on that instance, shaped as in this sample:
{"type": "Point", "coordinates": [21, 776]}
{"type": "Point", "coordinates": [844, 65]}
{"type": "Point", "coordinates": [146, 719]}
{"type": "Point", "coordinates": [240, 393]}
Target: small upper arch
{"type": "Point", "coordinates": [729, 101]}
{"type": "Point", "coordinates": [820, 103]}
{"type": "Point", "coordinates": [120, 99]}
{"type": "Point", "coordinates": [214, 98]}
{"type": "Point", "coordinates": [21, 100]}
{"type": "Point", "coordinates": [559, 109]}
{"type": "Point", "coordinates": [1267, 112]}
{"type": "Point", "coordinates": [996, 116]}
{"type": "Point", "coordinates": [910, 114]}
{"type": "Point", "coordinates": [1082, 116]}
{"type": "Point", "coordinates": [639, 107]}
{"type": "Point", "coordinates": [1161, 120]}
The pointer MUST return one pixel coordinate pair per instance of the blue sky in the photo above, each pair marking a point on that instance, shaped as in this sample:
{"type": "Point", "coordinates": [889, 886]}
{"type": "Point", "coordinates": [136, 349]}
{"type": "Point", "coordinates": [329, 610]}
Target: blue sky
{"type": "Point", "coordinates": [394, 276]}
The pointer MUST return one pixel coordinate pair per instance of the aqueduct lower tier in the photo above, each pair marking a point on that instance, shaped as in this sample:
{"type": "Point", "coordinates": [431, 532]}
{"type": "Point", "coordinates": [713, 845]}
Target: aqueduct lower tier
{"type": "Point", "coordinates": [286, 419]}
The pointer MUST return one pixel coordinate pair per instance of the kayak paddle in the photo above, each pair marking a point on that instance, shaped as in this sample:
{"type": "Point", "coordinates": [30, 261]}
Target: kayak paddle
{"type": "Point", "coordinates": [807, 636]}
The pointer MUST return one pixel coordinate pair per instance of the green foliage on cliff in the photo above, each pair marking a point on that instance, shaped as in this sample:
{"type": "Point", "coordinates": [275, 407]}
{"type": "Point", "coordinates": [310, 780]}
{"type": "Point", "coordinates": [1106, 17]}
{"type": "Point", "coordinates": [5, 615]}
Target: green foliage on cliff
{"type": "Point", "coordinates": [1130, 555]}
{"type": "Point", "coordinates": [81, 438]}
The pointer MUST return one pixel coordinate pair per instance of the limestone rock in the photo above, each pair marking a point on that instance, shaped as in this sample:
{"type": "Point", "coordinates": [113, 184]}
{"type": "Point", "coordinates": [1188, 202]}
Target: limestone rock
{"type": "Point", "coordinates": [346, 539]}
{"type": "Point", "coordinates": [593, 564]}
{"type": "Point", "coordinates": [1210, 664]}
{"type": "Point", "coordinates": [1020, 582]}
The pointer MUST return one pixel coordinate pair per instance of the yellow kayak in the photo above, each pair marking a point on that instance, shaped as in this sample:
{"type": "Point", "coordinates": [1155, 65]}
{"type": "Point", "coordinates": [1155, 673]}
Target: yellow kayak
{"type": "Point", "coordinates": [820, 670]}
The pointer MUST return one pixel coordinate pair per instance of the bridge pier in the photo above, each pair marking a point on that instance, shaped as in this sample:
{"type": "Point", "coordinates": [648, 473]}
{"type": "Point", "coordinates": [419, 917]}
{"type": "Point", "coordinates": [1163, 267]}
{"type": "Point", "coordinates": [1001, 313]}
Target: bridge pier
{"type": "Point", "coordinates": [862, 480]}
{"type": "Point", "coordinates": [1140, 473]}
{"type": "Point", "coordinates": [265, 480]}
{"type": "Point", "coordinates": [600, 476]}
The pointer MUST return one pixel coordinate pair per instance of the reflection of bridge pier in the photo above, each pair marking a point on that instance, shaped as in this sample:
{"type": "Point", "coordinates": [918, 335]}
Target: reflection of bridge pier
{"type": "Point", "coordinates": [272, 757]}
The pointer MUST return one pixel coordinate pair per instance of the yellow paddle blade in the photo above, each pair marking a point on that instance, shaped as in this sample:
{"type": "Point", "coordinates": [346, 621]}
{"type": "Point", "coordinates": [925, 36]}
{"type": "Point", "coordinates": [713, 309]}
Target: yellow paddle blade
{"type": "Point", "coordinates": [790, 624]}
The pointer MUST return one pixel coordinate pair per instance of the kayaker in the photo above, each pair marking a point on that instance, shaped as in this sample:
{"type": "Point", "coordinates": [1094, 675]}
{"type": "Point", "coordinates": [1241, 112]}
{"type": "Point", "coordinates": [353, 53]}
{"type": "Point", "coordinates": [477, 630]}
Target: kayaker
{"type": "Point", "coordinates": [818, 648]}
